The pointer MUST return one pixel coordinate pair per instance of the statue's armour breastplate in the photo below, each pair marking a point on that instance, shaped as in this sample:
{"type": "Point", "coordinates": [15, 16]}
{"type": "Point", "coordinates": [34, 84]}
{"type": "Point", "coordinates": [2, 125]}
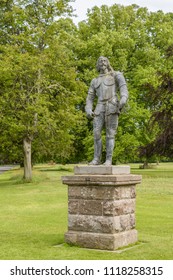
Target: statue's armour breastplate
{"type": "Point", "coordinates": [105, 87]}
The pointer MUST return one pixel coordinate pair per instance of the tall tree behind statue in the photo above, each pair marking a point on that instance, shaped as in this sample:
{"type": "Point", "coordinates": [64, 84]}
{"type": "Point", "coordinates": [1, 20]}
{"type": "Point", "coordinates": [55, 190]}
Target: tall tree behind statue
{"type": "Point", "coordinates": [138, 43]}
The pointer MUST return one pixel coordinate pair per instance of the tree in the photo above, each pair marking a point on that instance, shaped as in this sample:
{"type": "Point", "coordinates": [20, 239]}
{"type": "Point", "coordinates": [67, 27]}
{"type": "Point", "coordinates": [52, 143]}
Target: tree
{"type": "Point", "coordinates": [156, 84]}
{"type": "Point", "coordinates": [37, 79]}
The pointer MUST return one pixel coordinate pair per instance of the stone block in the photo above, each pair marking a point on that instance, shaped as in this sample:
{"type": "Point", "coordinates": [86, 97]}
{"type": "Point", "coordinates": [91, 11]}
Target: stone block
{"type": "Point", "coordinates": [102, 180]}
{"type": "Point", "coordinates": [101, 241]}
{"type": "Point", "coordinates": [74, 192]}
{"type": "Point", "coordinates": [91, 223]}
{"type": "Point", "coordinates": [129, 206]}
{"type": "Point", "coordinates": [101, 170]}
{"type": "Point", "coordinates": [125, 238]}
{"type": "Point", "coordinates": [125, 222]}
{"type": "Point", "coordinates": [118, 207]}
{"type": "Point", "coordinates": [133, 220]}
{"type": "Point", "coordinates": [91, 207]}
{"type": "Point", "coordinates": [73, 206]}
{"type": "Point", "coordinates": [127, 192]}
{"type": "Point", "coordinates": [94, 192]}
{"type": "Point", "coordinates": [100, 192]}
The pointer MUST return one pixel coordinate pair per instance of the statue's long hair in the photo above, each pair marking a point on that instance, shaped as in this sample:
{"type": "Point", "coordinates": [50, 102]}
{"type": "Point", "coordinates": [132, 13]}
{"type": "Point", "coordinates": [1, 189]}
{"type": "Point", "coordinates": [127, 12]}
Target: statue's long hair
{"type": "Point", "coordinates": [110, 69]}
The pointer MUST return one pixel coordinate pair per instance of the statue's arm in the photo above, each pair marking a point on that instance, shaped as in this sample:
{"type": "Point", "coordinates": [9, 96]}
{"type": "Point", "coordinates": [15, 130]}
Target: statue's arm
{"type": "Point", "coordinates": [122, 88]}
{"type": "Point", "coordinates": [90, 100]}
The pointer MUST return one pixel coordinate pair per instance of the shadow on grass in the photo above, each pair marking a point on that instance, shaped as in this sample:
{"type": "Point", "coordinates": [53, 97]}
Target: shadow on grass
{"type": "Point", "coordinates": [118, 250]}
{"type": "Point", "coordinates": [5, 183]}
{"type": "Point", "coordinates": [57, 169]}
{"type": "Point", "coordinates": [18, 179]}
{"type": "Point", "coordinates": [153, 173]}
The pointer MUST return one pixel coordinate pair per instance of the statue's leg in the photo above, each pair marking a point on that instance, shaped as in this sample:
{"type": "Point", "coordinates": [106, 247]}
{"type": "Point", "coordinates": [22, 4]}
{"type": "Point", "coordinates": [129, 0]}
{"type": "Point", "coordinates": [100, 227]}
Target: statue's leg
{"type": "Point", "coordinates": [110, 143]}
{"type": "Point", "coordinates": [98, 123]}
{"type": "Point", "coordinates": [111, 129]}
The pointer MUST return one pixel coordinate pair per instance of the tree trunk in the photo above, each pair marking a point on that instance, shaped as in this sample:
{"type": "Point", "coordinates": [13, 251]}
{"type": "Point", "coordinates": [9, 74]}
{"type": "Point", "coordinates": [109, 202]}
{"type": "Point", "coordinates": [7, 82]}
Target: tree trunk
{"type": "Point", "coordinates": [145, 165]}
{"type": "Point", "coordinates": [27, 159]}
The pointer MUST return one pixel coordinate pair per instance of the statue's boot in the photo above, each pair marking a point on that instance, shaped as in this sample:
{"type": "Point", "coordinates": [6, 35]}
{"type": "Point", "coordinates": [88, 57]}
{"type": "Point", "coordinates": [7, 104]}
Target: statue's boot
{"type": "Point", "coordinates": [110, 142]}
{"type": "Point", "coordinates": [97, 152]}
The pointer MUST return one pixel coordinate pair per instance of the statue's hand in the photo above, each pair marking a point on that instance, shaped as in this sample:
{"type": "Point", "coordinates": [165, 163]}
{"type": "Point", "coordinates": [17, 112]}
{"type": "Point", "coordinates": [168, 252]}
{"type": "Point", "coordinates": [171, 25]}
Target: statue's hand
{"type": "Point", "coordinates": [89, 113]}
{"type": "Point", "coordinates": [122, 102]}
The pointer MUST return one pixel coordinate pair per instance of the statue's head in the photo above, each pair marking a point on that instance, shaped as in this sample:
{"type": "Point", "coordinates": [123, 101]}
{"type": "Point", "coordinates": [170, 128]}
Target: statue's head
{"type": "Point", "coordinates": [105, 60]}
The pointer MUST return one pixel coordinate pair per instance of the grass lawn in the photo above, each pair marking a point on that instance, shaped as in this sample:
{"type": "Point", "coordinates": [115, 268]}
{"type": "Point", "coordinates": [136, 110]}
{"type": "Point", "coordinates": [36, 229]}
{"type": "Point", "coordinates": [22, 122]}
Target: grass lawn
{"type": "Point", "coordinates": [33, 217]}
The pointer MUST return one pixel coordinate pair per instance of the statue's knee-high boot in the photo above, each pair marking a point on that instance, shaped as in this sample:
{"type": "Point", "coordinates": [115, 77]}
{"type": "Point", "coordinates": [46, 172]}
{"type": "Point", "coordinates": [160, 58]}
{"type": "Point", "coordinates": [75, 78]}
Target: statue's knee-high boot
{"type": "Point", "coordinates": [110, 143]}
{"type": "Point", "coordinates": [97, 152]}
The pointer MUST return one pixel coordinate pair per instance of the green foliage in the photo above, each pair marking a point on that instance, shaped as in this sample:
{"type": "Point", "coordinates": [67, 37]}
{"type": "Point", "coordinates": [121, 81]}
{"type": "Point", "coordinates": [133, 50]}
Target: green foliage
{"type": "Point", "coordinates": [47, 64]}
{"type": "Point", "coordinates": [39, 91]}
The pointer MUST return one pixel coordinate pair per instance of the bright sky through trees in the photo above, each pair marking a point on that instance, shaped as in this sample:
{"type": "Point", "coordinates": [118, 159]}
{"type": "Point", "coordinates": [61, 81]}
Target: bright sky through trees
{"type": "Point", "coordinates": [81, 6]}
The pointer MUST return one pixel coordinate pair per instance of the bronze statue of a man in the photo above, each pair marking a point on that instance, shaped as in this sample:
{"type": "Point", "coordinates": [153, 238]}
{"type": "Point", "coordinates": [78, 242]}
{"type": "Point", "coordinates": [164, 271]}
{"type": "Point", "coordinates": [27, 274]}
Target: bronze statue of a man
{"type": "Point", "coordinates": [108, 107]}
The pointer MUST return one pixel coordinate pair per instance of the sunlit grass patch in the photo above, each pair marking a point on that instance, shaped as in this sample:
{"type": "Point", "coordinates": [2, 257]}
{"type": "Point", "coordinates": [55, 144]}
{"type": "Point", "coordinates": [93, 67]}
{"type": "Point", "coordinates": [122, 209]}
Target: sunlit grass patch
{"type": "Point", "coordinates": [33, 216]}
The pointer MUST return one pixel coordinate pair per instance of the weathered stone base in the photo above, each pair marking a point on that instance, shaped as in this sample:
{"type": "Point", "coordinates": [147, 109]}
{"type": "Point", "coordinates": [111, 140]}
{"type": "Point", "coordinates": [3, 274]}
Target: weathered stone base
{"type": "Point", "coordinates": [101, 241]}
{"type": "Point", "coordinates": [101, 207]}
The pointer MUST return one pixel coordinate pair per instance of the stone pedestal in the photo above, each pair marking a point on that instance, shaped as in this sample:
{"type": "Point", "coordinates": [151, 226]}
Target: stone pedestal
{"type": "Point", "coordinates": [101, 207]}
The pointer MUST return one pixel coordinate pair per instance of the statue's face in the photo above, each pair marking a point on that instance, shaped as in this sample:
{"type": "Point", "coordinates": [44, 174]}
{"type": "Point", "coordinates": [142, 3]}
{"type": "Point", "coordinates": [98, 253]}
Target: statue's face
{"type": "Point", "coordinates": [103, 63]}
